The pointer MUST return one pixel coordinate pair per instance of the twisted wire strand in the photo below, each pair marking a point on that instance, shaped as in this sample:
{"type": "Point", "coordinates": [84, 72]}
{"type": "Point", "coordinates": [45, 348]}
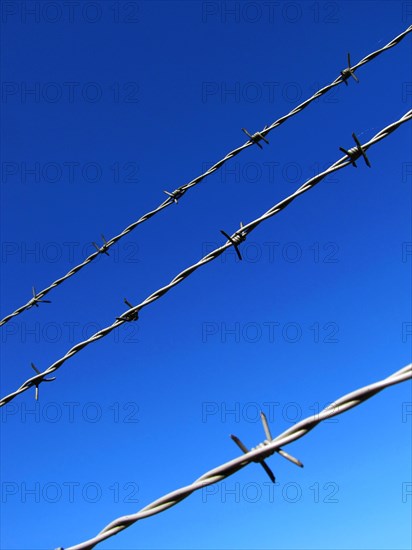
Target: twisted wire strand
{"type": "Point", "coordinates": [264, 450]}
{"type": "Point", "coordinates": [132, 313]}
{"type": "Point", "coordinates": [179, 192]}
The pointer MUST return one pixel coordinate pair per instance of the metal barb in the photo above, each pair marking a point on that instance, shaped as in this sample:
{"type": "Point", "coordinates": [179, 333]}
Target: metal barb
{"type": "Point", "coordinates": [42, 380]}
{"type": "Point", "coordinates": [177, 193]}
{"type": "Point", "coordinates": [348, 72]}
{"type": "Point", "coordinates": [258, 460]}
{"type": "Point", "coordinates": [236, 239]}
{"type": "Point", "coordinates": [361, 150]}
{"type": "Point", "coordinates": [102, 249]}
{"type": "Point", "coordinates": [36, 301]}
{"type": "Point", "coordinates": [133, 316]}
{"type": "Point", "coordinates": [256, 137]}
{"type": "Point", "coordinates": [269, 439]}
{"type": "Point", "coordinates": [266, 426]}
{"type": "Point", "coordinates": [356, 152]}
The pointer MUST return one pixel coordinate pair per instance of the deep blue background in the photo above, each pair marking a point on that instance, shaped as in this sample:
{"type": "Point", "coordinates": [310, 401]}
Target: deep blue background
{"type": "Point", "coordinates": [149, 408]}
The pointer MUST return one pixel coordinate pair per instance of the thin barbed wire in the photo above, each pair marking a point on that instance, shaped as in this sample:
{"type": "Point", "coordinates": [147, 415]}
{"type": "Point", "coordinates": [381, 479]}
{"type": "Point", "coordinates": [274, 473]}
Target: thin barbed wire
{"type": "Point", "coordinates": [180, 191]}
{"type": "Point", "coordinates": [259, 453]}
{"type": "Point", "coordinates": [132, 314]}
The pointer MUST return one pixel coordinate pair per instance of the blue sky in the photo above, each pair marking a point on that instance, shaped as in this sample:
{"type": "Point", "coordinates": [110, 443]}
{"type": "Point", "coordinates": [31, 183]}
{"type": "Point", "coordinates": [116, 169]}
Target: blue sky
{"type": "Point", "coordinates": [104, 106]}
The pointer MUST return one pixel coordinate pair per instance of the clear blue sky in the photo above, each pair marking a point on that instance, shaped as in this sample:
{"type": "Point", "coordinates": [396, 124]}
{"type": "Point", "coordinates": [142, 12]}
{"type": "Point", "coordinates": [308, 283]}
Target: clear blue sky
{"type": "Point", "coordinates": [105, 105]}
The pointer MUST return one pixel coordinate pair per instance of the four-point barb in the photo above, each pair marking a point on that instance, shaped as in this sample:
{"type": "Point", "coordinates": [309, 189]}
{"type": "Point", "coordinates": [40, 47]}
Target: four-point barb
{"type": "Point", "coordinates": [40, 381]}
{"type": "Point", "coordinates": [175, 196]}
{"type": "Point", "coordinates": [236, 239]}
{"type": "Point", "coordinates": [356, 152]}
{"type": "Point", "coordinates": [102, 249]}
{"type": "Point", "coordinates": [256, 137]}
{"type": "Point", "coordinates": [267, 441]}
{"type": "Point", "coordinates": [132, 316]}
{"type": "Point", "coordinates": [36, 301]}
{"type": "Point", "coordinates": [346, 73]}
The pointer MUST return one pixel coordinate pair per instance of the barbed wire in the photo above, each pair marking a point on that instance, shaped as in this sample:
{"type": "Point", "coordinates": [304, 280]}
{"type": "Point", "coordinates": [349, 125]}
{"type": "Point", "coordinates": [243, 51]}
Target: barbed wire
{"type": "Point", "coordinates": [132, 314]}
{"type": "Point", "coordinates": [257, 454]}
{"type": "Point", "coordinates": [174, 196]}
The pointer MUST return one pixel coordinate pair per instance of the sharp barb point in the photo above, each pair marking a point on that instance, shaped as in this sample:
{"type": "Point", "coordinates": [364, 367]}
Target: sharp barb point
{"type": "Point", "coordinates": [266, 426]}
{"type": "Point", "coordinates": [34, 368]}
{"type": "Point", "coordinates": [239, 444]}
{"type": "Point", "coordinates": [290, 458]}
{"type": "Point", "coordinates": [268, 471]}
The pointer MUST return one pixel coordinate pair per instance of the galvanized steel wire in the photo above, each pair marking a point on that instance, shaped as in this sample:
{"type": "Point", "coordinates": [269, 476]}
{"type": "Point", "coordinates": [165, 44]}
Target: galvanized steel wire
{"type": "Point", "coordinates": [234, 240]}
{"type": "Point", "coordinates": [263, 450]}
{"type": "Point", "coordinates": [179, 192]}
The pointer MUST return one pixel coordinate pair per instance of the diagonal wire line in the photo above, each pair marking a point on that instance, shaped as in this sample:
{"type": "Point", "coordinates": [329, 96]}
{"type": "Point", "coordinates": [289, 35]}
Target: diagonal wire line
{"type": "Point", "coordinates": [262, 451]}
{"type": "Point", "coordinates": [238, 237]}
{"type": "Point", "coordinates": [179, 192]}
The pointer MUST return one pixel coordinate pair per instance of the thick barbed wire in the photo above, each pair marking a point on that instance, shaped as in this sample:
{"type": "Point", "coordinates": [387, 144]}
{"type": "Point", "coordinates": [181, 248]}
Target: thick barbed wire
{"type": "Point", "coordinates": [132, 314]}
{"type": "Point", "coordinates": [179, 192]}
{"type": "Point", "coordinates": [259, 453]}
